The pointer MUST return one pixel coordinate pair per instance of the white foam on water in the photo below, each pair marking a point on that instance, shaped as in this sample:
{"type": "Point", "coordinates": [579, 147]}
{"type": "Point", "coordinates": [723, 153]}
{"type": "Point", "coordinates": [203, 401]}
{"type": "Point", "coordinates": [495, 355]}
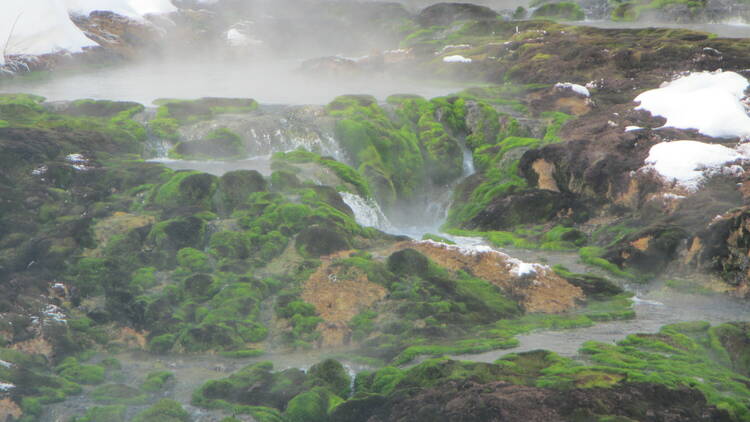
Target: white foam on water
{"type": "Point", "coordinates": [367, 212]}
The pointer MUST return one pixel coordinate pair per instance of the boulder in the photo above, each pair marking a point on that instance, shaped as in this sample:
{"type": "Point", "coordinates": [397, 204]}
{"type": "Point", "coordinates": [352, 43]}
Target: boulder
{"type": "Point", "coordinates": [442, 14]}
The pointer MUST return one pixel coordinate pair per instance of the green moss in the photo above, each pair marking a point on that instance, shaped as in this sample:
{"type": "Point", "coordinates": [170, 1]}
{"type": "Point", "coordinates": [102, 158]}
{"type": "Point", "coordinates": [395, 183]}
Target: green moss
{"type": "Point", "coordinates": [679, 355]}
{"type": "Point", "coordinates": [632, 10]}
{"type": "Point", "coordinates": [436, 238]}
{"type": "Point", "coordinates": [73, 370]}
{"type": "Point", "coordinates": [397, 155]}
{"type": "Point", "coordinates": [186, 188]}
{"type": "Point", "coordinates": [682, 355]}
{"type": "Point", "coordinates": [115, 123]}
{"type": "Point", "coordinates": [557, 238]}
{"type": "Point", "coordinates": [689, 287]}
{"type": "Point", "coordinates": [312, 406]}
{"type": "Point", "coordinates": [88, 274]}
{"type": "Point", "coordinates": [592, 255]}
{"type": "Point", "coordinates": [165, 410]}
{"type": "Point", "coordinates": [331, 375]}
{"type": "Point", "coordinates": [242, 354]}
{"type": "Point", "coordinates": [165, 128]}
{"type": "Point", "coordinates": [114, 413]}
{"type": "Point", "coordinates": [162, 343]}
{"type": "Point", "coordinates": [118, 394]}
{"type": "Point", "coordinates": [173, 113]}
{"type": "Point", "coordinates": [143, 279]}
{"type": "Point", "coordinates": [562, 11]}
{"type": "Point", "coordinates": [193, 260]}
{"type": "Point", "coordinates": [251, 386]}
{"type": "Point", "coordinates": [343, 171]}
{"type": "Point", "coordinates": [362, 324]}
{"type": "Point", "coordinates": [157, 381]}
{"type": "Point", "coordinates": [219, 143]}
{"type": "Point", "coordinates": [230, 244]}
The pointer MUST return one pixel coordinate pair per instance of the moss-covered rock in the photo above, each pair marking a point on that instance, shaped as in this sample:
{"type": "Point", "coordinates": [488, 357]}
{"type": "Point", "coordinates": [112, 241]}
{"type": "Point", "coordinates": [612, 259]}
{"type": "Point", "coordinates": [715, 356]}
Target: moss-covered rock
{"type": "Point", "coordinates": [219, 143]}
{"type": "Point", "coordinates": [331, 375]}
{"type": "Point", "coordinates": [563, 11]}
{"type": "Point", "coordinates": [317, 241]}
{"type": "Point", "coordinates": [313, 406]}
{"type": "Point", "coordinates": [114, 413]}
{"type": "Point", "coordinates": [254, 385]}
{"type": "Point", "coordinates": [165, 410]}
{"type": "Point", "coordinates": [157, 381]}
{"type": "Point", "coordinates": [73, 370]}
{"type": "Point", "coordinates": [235, 186]}
{"type": "Point", "coordinates": [409, 262]}
{"type": "Point", "coordinates": [118, 394]}
{"type": "Point", "coordinates": [186, 189]}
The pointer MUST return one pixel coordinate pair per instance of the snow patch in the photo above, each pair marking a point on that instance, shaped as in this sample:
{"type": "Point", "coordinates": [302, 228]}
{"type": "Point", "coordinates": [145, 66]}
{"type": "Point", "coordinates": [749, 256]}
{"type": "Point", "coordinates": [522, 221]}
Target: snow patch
{"type": "Point", "coordinates": [578, 89]}
{"type": "Point", "coordinates": [687, 162]}
{"type": "Point", "coordinates": [5, 364]}
{"type": "Point", "coordinates": [6, 387]}
{"type": "Point", "coordinates": [708, 102]}
{"type": "Point", "coordinates": [35, 27]}
{"type": "Point", "coordinates": [456, 59]}
{"type": "Point", "coordinates": [38, 27]}
{"type": "Point", "coordinates": [632, 128]}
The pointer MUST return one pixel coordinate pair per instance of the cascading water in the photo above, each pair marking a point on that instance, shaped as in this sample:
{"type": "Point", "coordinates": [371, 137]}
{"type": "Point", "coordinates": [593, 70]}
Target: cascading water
{"type": "Point", "coordinates": [367, 212]}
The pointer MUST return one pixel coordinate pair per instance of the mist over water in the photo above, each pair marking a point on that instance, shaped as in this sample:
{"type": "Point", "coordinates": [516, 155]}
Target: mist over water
{"type": "Point", "coordinates": [269, 81]}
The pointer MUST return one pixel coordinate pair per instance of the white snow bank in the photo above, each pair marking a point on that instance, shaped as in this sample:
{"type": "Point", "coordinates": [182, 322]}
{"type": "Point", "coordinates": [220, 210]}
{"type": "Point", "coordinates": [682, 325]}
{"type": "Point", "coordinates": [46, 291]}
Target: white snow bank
{"type": "Point", "coordinates": [456, 59]}
{"type": "Point", "coordinates": [131, 8]}
{"type": "Point", "coordinates": [38, 27]}
{"type": "Point", "coordinates": [686, 162]}
{"type": "Point", "coordinates": [632, 128]}
{"type": "Point", "coordinates": [708, 102]}
{"type": "Point", "coordinates": [33, 27]}
{"type": "Point", "coordinates": [578, 89]}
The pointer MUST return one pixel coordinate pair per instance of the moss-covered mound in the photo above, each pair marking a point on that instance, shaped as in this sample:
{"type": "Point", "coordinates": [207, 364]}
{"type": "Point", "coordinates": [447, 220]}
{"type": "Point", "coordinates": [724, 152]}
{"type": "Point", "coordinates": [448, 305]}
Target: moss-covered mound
{"type": "Point", "coordinates": [298, 396]}
{"type": "Point", "coordinates": [173, 113]}
{"type": "Point", "coordinates": [692, 370]}
{"type": "Point", "coordinates": [686, 369]}
{"type": "Point", "coordinates": [398, 156]}
{"type": "Point", "coordinates": [563, 11]}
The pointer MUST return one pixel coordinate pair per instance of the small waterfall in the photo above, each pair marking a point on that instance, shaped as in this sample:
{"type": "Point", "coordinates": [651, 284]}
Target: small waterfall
{"type": "Point", "coordinates": [367, 212]}
{"type": "Point", "coordinates": [468, 168]}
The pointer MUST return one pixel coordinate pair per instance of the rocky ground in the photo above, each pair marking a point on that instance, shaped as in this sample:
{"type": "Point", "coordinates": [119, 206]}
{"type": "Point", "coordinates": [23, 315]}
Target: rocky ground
{"type": "Point", "coordinates": [102, 252]}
